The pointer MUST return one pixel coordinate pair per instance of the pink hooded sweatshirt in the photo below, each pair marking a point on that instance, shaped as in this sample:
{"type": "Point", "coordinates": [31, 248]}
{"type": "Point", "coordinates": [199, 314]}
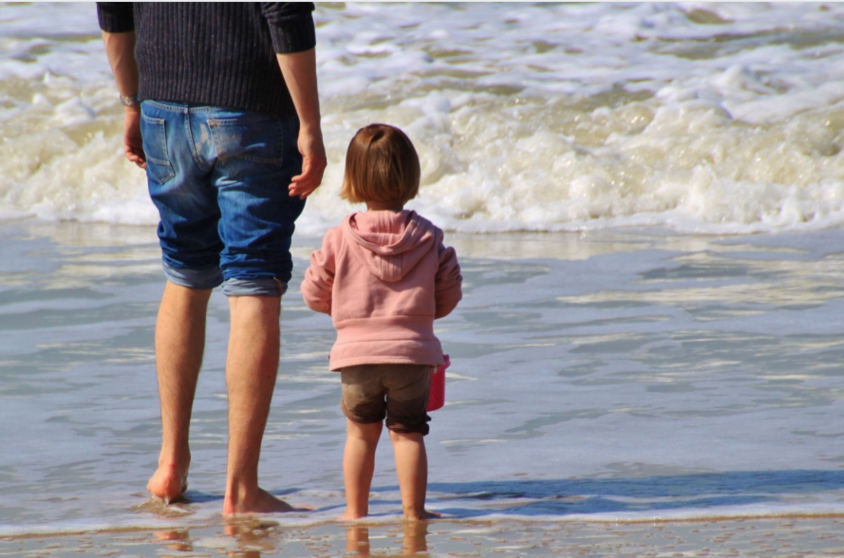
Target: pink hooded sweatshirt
{"type": "Point", "coordinates": [384, 277]}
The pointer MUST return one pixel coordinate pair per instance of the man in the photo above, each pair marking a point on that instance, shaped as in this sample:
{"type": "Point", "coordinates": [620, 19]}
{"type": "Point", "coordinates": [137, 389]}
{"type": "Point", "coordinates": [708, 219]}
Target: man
{"type": "Point", "coordinates": [222, 110]}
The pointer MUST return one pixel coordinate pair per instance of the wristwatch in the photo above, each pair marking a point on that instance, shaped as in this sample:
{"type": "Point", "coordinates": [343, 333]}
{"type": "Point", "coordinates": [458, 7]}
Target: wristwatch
{"type": "Point", "coordinates": [130, 101]}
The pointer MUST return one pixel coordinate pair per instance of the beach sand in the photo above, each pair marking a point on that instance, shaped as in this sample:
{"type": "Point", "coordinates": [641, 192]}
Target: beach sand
{"type": "Point", "coordinates": [786, 537]}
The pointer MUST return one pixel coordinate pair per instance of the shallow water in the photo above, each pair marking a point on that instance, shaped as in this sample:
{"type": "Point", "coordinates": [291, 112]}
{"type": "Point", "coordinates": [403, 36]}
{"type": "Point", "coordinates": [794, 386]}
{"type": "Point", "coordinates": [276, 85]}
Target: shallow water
{"type": "Point", "coordinates": [628, 374]}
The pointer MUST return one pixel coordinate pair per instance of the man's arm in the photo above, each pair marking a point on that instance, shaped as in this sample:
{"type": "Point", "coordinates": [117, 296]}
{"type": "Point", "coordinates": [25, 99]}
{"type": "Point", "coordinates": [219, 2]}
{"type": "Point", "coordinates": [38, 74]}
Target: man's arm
{"type": "Point", "coordinates": [120, 49]}
{"type": "Point", "coordinates": [299, 71]}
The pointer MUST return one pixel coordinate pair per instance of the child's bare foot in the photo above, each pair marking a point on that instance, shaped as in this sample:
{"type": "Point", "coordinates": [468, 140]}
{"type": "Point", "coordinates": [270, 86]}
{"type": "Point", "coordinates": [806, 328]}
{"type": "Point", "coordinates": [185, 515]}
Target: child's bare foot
{"type": "Point", "coordinates": [168, 483]}
{"type": "Point", "coordinates": [416, 515]}
{"type": "Point", "coordinates": [261, 502]}
{"type": "Point", "coordinates": [349, 516]}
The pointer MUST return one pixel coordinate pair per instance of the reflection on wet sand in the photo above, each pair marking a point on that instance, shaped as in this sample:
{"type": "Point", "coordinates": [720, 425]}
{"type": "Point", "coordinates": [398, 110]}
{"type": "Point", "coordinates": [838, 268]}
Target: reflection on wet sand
{"type": "Point", "coordinates": [784, 537]}
{"type": "Point", "coordinates": [414, 540]}
{"type": "Point", "coordinates": [255, 537]}
{"type": "Point", "coordinates": [178, 541]}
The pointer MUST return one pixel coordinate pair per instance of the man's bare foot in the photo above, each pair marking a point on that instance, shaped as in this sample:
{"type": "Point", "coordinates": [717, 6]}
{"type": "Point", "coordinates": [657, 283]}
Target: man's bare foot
{"type": "Point", "coordinates": [168, 483]}
{"type": "Point", "coordinates": [261, 502]}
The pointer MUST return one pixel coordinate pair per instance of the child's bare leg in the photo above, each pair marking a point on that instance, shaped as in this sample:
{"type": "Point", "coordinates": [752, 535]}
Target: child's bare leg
{"type": "Point", "coordinates": [358, 465]}
{"type": "Point", "coordinates": [412, 471]}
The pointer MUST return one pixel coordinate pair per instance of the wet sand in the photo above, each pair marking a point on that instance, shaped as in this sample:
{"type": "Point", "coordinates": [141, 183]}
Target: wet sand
{"type": "Point", "coordinates": [782, 537]}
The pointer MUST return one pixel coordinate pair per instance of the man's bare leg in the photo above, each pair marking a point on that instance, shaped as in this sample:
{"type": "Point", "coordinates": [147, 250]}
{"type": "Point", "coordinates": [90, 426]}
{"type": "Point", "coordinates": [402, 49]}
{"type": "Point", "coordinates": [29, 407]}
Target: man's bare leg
{"type": "Point", "coordinates": [179, 346]}
{"type": "Point", "coordinates": [251, 370]}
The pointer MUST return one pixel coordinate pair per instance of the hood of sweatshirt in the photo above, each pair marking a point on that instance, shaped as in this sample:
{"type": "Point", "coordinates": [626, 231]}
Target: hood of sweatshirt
{"type": "Point", "coordinates": [389, 244]}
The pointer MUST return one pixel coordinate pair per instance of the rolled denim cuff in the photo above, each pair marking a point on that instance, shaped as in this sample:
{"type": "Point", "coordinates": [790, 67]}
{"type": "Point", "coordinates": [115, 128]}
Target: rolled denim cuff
{"type": "Point", "coordinates": [262, 286]}
{"type": "Point", "coordinates": [207, 278]}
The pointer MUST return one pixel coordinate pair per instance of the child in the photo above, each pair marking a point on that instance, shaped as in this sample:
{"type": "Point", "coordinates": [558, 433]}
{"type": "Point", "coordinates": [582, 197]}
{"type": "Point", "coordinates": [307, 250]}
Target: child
{"type": "Point", "coordinates": [384, 276]}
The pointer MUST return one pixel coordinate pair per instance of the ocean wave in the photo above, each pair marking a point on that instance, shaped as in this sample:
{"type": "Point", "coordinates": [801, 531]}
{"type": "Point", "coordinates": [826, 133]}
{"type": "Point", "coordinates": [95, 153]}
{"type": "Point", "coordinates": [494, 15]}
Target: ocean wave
{"type": "Point", "coordinates": [710, 118]}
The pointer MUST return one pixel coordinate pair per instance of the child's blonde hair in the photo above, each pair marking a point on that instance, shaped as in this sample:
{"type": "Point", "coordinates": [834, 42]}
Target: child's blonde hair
{"type": "Point", "coordinates": [381, 166]}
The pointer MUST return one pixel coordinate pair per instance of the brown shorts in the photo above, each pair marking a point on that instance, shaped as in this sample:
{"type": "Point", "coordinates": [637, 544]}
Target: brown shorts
{"type": "Point", "coordinates": [398, 392]}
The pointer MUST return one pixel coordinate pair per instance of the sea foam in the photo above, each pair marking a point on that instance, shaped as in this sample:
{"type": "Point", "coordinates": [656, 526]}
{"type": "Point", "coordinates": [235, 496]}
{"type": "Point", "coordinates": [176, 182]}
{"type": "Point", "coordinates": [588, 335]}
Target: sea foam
{"type": "Point", "coordinates": [720, 118]}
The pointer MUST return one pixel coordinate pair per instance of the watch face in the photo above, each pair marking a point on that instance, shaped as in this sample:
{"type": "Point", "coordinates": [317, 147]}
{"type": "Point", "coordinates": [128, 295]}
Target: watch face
{"type": "Point", "coordinates": [128, 101]}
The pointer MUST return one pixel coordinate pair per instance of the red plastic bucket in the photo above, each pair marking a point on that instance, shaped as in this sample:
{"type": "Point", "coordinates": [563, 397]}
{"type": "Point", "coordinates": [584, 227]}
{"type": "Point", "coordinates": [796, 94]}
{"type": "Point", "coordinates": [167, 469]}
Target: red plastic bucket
{"type": "Point", "coordinates": [436, 393]}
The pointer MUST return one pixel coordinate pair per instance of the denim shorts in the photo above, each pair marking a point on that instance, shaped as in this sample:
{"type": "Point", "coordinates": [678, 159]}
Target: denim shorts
{"type": "Point", "coordinates": [219, 179]}
{"type": "Point", "coordinates": [398, 392]}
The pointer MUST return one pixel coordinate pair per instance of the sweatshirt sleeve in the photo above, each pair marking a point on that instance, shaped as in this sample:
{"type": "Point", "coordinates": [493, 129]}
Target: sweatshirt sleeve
{"type": "Point", "coordinates": [291, 26]}
{"type": "Point", "coordinates": [116, 17]}
{"type": "Point", "coordinates": [319, 278]}
{"type": "Point", "coordinates": [448, 288]}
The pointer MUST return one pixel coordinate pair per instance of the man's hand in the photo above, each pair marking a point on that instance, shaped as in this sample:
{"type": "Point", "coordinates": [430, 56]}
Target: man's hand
{"type": "Point", "coordinates": [133, 145]}
{"type": "Point", "coordinates": [299, 71]}
{"type": "Point", "coordinates": [120, 49]}
{"type": "Point", "coordinates": [313, 164]}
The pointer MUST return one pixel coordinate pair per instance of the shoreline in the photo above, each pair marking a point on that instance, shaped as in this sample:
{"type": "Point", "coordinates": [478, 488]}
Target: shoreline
{"type": "Point", "coordinates": [140, 241]}
{"type": "Point", "coordinates": [276, 520]}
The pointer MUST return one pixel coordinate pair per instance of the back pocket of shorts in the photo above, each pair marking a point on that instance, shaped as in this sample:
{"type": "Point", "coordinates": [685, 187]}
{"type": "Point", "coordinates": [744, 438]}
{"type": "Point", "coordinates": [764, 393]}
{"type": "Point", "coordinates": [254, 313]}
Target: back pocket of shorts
{"type": "Point", "coordinates": [154, 136]}
{"type": "Point", "coordinates": [249, 145]}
